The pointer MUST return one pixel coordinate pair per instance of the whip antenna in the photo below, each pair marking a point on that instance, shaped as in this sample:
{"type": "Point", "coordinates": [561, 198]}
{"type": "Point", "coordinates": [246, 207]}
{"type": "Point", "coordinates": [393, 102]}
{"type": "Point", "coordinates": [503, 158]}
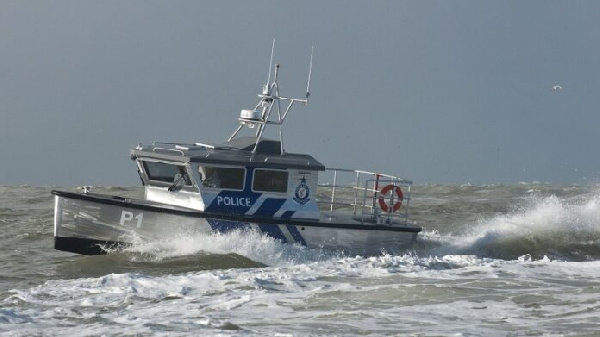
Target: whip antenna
{"type": "Point", "coordinates": [271, 64]}
{"type": "Point", "coordinates": [312, 51]}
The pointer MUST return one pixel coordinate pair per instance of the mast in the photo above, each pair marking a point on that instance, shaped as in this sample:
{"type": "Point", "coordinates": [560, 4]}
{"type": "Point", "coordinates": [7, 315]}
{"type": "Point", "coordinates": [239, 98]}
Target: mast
{"type": "Point", "coordinates": [261, 115]}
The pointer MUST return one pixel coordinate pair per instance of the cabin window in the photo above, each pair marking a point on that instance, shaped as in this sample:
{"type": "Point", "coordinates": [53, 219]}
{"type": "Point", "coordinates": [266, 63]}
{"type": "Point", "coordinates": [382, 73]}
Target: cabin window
{"type": "Point", "coordinates": [223, 177]}
{"type": "Point", "coordinates": [270, 181]}
{"type": "Point", "coordinates": [168, 173]}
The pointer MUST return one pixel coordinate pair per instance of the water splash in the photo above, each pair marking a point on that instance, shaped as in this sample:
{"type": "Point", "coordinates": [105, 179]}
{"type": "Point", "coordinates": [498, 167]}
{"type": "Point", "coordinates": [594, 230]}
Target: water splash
{"type": "Point", "coordinates": [559, 227]}
{"type": "Point", "coordinates": [250, 244]}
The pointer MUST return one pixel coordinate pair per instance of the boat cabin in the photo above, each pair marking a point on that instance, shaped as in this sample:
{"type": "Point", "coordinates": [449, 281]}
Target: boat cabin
{"type": "Point", "coordinates": [256, 176]}
{"type": "Point", "coordinates": [243, 176]}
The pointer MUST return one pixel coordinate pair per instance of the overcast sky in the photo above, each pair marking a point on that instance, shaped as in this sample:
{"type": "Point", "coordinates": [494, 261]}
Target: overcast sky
{"type": "Point", "coordinates": [434, 91]}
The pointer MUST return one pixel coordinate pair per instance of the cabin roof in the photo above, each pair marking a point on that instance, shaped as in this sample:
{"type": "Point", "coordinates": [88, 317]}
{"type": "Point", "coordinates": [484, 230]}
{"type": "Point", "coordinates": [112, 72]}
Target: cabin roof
{"type": "Point", "coordinates": [237, 152]}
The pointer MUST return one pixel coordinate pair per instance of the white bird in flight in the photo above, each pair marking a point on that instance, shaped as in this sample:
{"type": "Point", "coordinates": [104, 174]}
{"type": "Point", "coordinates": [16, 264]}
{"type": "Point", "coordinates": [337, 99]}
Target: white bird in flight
{"type": "Point", "coordinates": [556, 88]}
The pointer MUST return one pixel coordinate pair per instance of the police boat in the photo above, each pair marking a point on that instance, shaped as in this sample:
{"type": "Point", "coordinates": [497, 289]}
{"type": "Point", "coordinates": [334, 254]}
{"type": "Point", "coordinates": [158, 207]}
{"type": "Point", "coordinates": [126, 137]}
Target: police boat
{"type": "Point", "coordinates": [249, 183]}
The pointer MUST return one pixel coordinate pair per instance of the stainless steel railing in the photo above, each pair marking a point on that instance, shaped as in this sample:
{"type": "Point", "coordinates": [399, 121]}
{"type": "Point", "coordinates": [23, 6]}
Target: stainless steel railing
{"type": "Point", "coordinates": [360, 193]}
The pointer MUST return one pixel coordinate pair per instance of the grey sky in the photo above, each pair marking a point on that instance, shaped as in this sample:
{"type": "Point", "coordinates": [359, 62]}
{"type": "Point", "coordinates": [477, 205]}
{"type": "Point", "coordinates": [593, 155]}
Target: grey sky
{"type": "Point", "coordinates": [435, 91]}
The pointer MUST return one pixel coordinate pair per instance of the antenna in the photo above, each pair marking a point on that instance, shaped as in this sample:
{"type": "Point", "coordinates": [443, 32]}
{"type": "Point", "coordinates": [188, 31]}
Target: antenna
{"type": "Point", "coordinates": [271, 64]}
{"type": "Point", "coordinates": [312, 51]}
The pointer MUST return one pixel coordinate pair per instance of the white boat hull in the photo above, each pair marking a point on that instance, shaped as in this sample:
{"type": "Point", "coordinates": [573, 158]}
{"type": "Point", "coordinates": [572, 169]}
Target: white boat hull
{"type": "Point", "coordinates": [90, 224]}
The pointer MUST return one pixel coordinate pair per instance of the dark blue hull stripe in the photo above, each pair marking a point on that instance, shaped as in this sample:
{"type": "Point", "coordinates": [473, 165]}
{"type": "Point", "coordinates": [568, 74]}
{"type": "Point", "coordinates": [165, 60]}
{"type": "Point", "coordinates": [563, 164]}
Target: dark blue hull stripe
{"type": "Point", "coordinates": [287, 214]}
{"type": "Point", "coordinates": [269, 207]}
{"type": "Point", "coordinates": [296, 234]}
{"type": "Point", "coordinates": [224, 226]}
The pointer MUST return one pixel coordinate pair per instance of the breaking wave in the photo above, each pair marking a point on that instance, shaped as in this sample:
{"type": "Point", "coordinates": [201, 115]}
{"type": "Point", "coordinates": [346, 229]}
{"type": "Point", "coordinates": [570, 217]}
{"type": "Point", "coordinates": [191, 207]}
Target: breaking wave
{"type": "Point", "coordinates": [561, 228]}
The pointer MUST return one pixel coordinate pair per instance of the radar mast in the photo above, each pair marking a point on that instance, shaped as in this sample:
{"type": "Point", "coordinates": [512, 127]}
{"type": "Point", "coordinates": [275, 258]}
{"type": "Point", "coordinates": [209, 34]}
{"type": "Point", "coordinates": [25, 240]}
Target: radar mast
{"type": "Point", "coordinates": [262, 114]}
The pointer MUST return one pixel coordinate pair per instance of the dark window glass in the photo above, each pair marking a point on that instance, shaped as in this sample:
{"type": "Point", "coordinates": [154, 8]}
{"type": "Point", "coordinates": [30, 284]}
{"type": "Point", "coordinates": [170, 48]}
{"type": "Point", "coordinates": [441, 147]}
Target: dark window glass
{"type": "Point", "coordinates": [168, 173]}
{"type": "Point", "coordinates": [223, 177]}
{"type": "Point", "coordinates": [270, 181]}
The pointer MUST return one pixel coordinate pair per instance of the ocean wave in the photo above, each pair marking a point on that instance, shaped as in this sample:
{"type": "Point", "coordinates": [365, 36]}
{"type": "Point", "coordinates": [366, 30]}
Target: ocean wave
{"type": "Point", "coordinates": [563, 228]}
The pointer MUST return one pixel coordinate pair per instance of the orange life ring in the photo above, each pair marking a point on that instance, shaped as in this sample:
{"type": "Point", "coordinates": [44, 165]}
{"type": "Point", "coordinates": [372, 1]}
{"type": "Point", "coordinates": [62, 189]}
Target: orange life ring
{"type": "Point", "coordinates": [384, 206]}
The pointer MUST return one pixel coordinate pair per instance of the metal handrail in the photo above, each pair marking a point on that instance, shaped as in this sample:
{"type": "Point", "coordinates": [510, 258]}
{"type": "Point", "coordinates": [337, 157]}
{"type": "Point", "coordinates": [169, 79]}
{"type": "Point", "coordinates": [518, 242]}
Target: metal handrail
{"type": "Point", "coordinates": [364, 206]}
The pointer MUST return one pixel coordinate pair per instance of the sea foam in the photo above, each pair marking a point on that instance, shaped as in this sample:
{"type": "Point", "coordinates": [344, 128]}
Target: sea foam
{"type": "Point", "coordinates": [248, 243]}
{"type": "Point", "coordinates": [560, 227]}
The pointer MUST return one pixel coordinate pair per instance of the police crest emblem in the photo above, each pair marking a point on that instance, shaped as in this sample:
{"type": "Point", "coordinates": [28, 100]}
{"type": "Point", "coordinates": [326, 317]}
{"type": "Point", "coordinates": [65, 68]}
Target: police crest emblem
{"type": "Point", "coordinates": [302, 193]}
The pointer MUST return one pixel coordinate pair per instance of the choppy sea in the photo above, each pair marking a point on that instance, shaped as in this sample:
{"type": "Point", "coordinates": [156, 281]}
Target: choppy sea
{"type": "Point", "coordinates": [494, 260]}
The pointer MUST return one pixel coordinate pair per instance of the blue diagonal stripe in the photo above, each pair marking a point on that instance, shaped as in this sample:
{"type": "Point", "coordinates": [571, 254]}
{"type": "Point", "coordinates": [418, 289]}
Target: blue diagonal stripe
{"type": "Point", "coordinates": [224, 226]}
{"type": "Point", "coordinates": [296, 234]}
{"type": "Point", "coordinates": [287, 214]}
{"type": "Point", "coordinates": [269, 207]}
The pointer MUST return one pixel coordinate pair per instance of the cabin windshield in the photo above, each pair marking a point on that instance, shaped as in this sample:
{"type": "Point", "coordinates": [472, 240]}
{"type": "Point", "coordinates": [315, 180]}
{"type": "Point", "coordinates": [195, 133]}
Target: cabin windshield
{"type": "Point", "coordinates": [168, 173]}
